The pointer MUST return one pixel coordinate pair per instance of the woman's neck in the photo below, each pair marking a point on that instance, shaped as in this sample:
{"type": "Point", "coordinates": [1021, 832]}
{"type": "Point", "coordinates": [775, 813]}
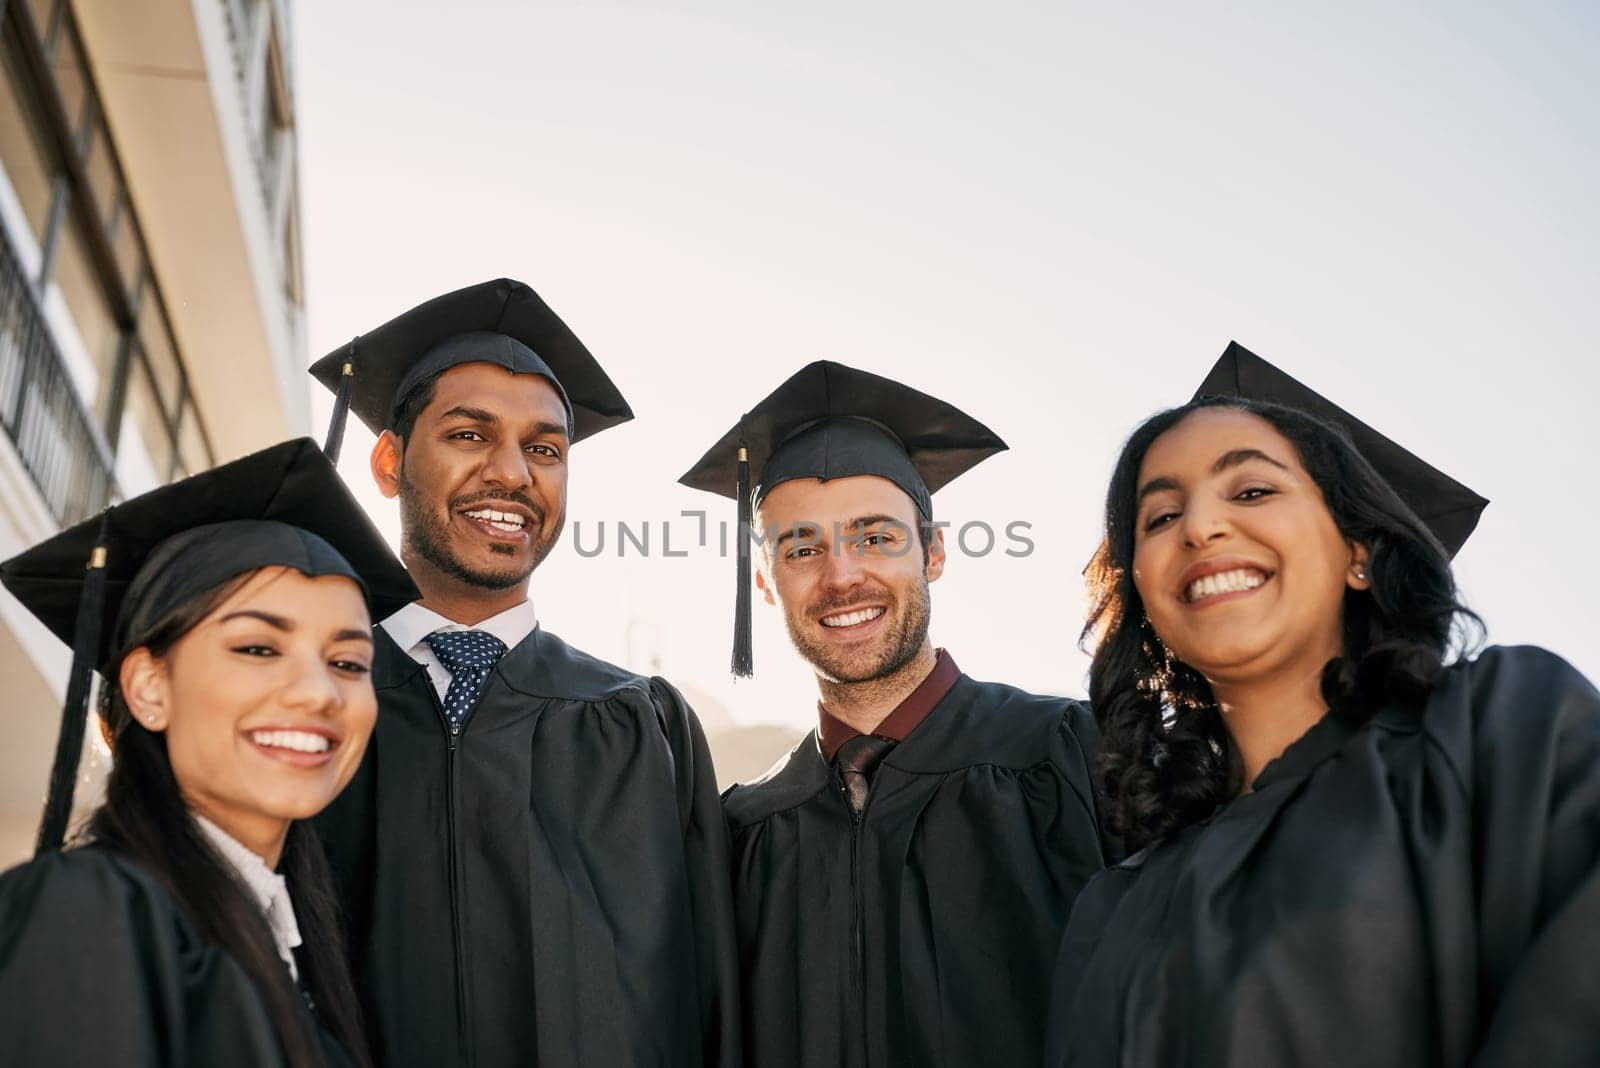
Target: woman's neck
{"type": "Point", "coordinates": [1266, 716]}
{"type": "Point", "coordinates": [262, 835]}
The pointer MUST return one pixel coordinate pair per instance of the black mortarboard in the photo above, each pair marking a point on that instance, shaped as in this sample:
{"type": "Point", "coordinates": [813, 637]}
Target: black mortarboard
{"type": "Point", "coordinates": [106, 582]}
{"type": "Point", "coordinates": [831, 421]}
{"type": "Point", "coordinates": [502, 322]}
{"type": "Point", "coordinates": [1449, 509]}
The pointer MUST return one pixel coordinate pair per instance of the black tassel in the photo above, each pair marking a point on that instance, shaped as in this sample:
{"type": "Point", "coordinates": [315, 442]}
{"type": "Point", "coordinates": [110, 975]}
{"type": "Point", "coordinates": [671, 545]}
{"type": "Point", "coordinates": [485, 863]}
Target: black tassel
{"type": "Point", "coordinates": [341, 407]}
{"type": "Point", "coordinates": [743, 658]}
{"type": "Point", "coordinates": [75, 712]}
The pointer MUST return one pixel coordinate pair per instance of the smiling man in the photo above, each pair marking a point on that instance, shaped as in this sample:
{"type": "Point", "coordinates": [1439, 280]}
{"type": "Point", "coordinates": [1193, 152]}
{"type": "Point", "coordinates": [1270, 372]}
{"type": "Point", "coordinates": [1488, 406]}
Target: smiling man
{"type": "Point", "coordinates": [532, 858]}
{"type": "Point", "coordinates": [902, 877]}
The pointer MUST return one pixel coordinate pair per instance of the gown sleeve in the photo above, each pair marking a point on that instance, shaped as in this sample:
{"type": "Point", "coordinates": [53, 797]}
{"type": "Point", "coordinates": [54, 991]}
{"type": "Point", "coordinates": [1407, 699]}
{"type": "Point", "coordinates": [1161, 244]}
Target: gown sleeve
{"type": "Point", "coordinates": [708, 858]}
{"type": "Point", "coordinates": [98, 966]}
{"type": "Point", "coordinates": [1537, 780]}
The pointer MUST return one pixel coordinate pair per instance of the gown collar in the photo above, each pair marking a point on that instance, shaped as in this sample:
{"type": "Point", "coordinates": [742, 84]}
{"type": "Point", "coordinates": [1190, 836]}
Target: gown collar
{"type": "Point", "coordinates": [906, 717]}
{"type": "Point", "coordinates": [1325, 738]}
{"type": "Point", "coordinates": [413, 623]}
{"type": "Point", "coordinates": [268, 889]}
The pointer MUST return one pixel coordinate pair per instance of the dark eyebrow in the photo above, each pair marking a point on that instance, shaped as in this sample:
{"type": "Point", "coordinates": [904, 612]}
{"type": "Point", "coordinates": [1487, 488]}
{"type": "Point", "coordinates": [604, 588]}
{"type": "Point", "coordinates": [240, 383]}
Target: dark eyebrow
{"type": "Point", "coordinates": [1156, 485]}
{"type": "Point", "coordinates": [1239, 456]}
{"type": "Point", "coordinates": [350, 634]}
{"type": "Point", "coordinates": [477, 415]}
{"type": "Point", "coordinates": [488, 418]}
{"type": "Point", "coordinates": [869, 520]}
{"type": "Point", "coordinates": [1225, 461]}
{"type": "Point", "coordinates": [791, 532]}
{"type": "Point", "coordinates": [549, 428]}
{"type": "Point", "coordinates": [275, 622]}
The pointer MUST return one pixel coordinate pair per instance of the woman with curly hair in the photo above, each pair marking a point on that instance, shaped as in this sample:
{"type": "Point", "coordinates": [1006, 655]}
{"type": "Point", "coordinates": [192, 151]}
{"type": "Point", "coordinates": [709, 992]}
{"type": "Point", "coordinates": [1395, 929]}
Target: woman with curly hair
{"type": "Point", "coordinates": [1346, 846]}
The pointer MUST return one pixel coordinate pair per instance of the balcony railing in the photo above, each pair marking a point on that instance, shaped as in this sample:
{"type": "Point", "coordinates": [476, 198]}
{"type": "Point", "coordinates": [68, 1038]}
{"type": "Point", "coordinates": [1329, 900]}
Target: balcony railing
{"type": "Point", "coordinates": [40, 408]}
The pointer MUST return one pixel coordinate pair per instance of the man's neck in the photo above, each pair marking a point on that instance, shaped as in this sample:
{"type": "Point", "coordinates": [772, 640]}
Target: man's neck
{"type": "Point", "coordinates": [462, 603]}
{"type": "Point", "coordinates": [864, 705]}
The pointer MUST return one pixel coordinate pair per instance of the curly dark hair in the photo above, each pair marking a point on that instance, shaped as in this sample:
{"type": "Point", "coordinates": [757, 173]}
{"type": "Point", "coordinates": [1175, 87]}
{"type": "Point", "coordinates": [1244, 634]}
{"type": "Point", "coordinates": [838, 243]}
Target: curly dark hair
{"type": "Point", "coordinates": [1166, 759]}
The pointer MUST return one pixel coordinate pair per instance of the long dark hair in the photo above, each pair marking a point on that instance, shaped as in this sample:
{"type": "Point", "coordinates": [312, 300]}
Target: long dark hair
{"type": "Point", "coordinates": [1166, 759]}
{"type": "Point", "coordinates": [144, 818]}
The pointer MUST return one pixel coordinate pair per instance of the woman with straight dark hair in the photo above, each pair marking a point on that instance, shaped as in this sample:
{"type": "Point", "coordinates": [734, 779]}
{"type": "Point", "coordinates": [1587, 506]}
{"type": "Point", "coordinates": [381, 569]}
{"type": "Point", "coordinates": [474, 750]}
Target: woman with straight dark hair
{"type": "Point", "coordinates": [191, 922]}
{"type": "Point", "coordinates": [1346, 847]}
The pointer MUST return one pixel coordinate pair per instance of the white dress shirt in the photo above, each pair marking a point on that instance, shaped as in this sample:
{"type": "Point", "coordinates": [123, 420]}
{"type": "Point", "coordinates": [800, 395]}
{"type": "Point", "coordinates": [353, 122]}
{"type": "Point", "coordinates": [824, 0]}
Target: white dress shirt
{"type": "Point", "coordinates": [409, 629]}
{"type": "Point", "coordinates": [269, 889]}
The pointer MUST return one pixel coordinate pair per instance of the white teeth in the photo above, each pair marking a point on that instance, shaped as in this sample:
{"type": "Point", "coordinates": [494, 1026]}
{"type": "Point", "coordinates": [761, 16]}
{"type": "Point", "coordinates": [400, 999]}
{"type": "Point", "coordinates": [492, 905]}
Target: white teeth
{"type": "Point", "coordinates": [1224, 582]}
{"type": "Point", "coordinates": [850, 619]}
{"type": "Point", "coordinates": [506, 521]}
{"type": "Point", "coordinates": [300, 741]}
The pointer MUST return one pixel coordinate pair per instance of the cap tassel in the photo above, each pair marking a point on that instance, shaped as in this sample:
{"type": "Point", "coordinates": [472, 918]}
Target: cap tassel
{"type": "Point", "coordinates": [341, 407]}
{"type": "Point", "coordinates": [743, 658]}
{"type": "Point", "coordinates": [75, 711]}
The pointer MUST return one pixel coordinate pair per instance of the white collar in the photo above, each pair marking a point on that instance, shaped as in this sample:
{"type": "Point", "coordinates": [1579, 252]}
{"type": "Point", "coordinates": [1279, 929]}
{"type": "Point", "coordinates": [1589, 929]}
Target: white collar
{"type": "Point", "coordinates": [269, 889]}
{"type": "Point", "coordinates": [409, 626]}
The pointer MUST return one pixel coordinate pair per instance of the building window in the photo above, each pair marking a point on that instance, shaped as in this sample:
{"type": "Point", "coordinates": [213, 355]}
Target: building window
{"type": "Point", "coordinates": [22, 143]}
{"type": "Point", "coordinates": [292, 271]}
{"type": "Point", "coordinates": [44, 16]}
{"type": "Point", "coordinates": [79, 280]}
{"type": "Point", "coordinates": [150, 420]}
{"type": "Point", "coordinates": [193, 452]}
{"type": "Point", "coordinates": [72, 83]}
{"type": "Point", "coordinates": [59, 157]}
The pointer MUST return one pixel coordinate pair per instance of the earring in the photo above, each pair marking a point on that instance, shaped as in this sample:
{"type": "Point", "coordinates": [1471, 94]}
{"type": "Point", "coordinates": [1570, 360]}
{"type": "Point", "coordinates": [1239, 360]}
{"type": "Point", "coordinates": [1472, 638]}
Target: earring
{"type": "Point", "coordinates": [1361, 574]}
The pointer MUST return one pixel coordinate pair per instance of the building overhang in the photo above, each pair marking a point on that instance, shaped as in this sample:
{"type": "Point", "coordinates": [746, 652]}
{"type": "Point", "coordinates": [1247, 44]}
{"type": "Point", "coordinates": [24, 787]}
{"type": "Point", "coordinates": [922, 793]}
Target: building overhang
{"type": "Point", "coordinates": [174, 94]}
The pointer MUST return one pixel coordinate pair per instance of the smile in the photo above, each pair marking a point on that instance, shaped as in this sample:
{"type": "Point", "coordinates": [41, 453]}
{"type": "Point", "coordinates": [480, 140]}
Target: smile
{"type": "Point", "coordinates": [505, 522]}
{"type": "Point", "coordinates": [289, 745]}
{"type": "Point", "coordinates": [852, 619]}
{"type": "Point", "coordinates": [1239, 580]}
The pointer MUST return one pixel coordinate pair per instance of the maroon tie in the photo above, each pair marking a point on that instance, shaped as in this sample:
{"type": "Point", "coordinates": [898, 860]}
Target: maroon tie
{"type": "Point", "coordinates": [855, 762]}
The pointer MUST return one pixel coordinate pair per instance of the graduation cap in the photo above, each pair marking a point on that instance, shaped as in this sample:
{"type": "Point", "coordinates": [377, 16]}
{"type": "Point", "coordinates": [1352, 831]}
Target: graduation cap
{"type": "Point", "coordinates": [110, 580]}
{"type": "Point", "coordinates": [502, 322]}
{"type": "Point", "coordinates": [1450, 509]}
{"type": "Point", "coordinates": [831, 421]}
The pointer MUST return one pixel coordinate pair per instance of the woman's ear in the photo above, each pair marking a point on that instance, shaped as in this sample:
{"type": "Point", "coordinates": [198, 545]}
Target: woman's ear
{"type": "Point", "coordinates": [1358, 577]}
{"type": "Point", "coordinates": [145, 688]}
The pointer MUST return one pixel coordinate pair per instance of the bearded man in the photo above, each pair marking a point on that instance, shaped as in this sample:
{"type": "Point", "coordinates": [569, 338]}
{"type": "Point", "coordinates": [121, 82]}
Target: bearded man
{"type": "Point", "coordinates": [531, 858]}
{"type": "Point", "coordinates": [902, 878]}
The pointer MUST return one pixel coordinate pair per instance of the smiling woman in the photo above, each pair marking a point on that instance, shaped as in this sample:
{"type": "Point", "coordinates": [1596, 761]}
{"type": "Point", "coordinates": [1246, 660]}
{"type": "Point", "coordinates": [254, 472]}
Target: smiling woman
{"type": "Point", "coordinates": [236, 704]}
{"type": "Point", "coordinates": [1349, 849]}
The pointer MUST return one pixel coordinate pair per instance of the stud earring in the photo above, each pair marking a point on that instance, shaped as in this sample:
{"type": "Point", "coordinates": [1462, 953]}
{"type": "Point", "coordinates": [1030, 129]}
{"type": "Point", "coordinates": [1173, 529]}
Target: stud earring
{"type": "Point", "coordinates": [1361, 574]}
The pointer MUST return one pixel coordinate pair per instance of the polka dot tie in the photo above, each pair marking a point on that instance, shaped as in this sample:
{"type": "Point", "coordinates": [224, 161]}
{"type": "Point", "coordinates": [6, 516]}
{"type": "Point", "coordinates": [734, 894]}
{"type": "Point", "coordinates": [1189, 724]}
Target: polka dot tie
{"type": "Point", "coordinates": [469, 656]}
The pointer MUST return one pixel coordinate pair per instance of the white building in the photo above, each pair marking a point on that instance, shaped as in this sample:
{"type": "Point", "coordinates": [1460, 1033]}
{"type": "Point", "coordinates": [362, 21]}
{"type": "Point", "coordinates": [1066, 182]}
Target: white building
{"type": "Point", "coordinates": [150, 287]}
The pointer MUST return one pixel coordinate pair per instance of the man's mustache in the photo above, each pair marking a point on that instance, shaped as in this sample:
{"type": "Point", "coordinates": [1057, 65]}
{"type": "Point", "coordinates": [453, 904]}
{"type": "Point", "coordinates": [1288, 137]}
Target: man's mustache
{"type": "Point", "coordinates": [513, 498]}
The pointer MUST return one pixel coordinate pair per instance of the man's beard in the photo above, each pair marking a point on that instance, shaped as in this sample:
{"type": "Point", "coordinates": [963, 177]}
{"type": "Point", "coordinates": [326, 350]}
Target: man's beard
{"type": "Point", "coordinates": [900, 644]}
{"type": "Point", "coordinates": [428, 536]}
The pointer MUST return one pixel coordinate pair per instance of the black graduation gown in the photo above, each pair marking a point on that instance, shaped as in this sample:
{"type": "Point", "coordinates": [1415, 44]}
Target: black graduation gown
{"type": "Point", "coordinates": [98, 965]}
{"type": "Point", "coordinates": [1422, 890]}
{"type": "Point", "coordinates": [925, 933]}
{"type": "Point", "coordinates": [550, 886]}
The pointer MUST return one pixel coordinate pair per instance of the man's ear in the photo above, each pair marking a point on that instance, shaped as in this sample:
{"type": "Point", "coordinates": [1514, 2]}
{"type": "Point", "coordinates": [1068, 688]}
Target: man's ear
{"type": "Point", "coordinates": [1357, 576]}
{"type": "Point", "coordinates": [146, 688]}
{"type": "Point", "coordinates": [766, 590]}
{"type": "Point", "coordinates": [936, 554]}
{"type": "Point", "coordinates": [387, 455]}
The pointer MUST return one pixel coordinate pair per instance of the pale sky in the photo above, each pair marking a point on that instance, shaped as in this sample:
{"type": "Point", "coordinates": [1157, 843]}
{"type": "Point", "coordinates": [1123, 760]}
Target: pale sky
{"type": "Point", "coordinates": [1054, 216]}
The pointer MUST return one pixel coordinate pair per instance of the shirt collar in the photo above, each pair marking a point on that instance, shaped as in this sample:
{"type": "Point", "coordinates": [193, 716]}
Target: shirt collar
{"type": "Point", "coordinates": [907, 716]}
{"type": "Point", "coordinates": [409, 626]}
{"type": "Point", "coordinates": [267, 888]}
